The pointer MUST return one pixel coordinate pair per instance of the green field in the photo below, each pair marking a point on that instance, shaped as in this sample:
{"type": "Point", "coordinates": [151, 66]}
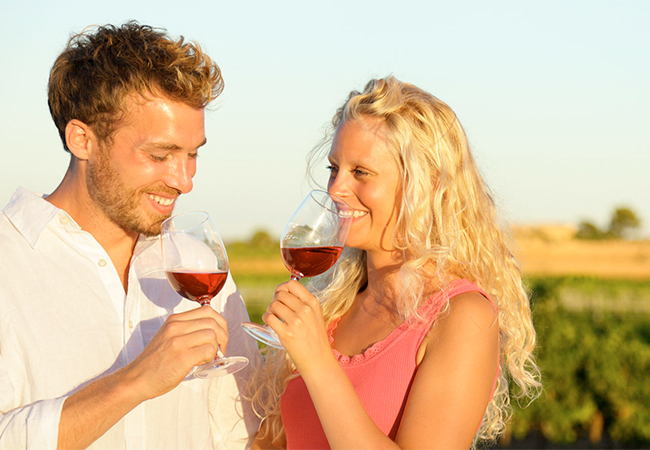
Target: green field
{"type": "Point", "coordinates": [593, 350]}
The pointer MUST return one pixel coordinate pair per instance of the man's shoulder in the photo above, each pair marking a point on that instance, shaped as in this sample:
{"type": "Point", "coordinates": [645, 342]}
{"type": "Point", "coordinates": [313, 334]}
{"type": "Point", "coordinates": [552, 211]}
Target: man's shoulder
{"type": "Point", "coordinates": [26, 215]}
{"type": "Point", "coordinates": [10, 236]}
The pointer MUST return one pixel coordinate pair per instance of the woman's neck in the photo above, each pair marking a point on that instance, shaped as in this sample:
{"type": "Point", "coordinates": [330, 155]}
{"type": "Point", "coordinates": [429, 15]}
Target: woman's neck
{"type": "Point", "coordinates": [381, 291]}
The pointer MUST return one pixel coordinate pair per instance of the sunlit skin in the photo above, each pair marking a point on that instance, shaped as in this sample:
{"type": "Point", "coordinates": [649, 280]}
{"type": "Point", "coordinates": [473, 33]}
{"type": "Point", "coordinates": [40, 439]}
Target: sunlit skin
{"type": "Point", "coordinates": [365, 174]}
{"type": "Point", "coordinates": [127, 186]}
{"type": "Point", "coordinates": [457, 360]}
{"type": "Point", "coordinates": [117, 190]}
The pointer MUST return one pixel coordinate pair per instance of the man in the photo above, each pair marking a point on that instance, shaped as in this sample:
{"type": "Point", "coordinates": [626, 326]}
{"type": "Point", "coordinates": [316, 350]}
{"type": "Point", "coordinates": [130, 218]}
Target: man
{"type": "Point", "coordinates": [95, 346]}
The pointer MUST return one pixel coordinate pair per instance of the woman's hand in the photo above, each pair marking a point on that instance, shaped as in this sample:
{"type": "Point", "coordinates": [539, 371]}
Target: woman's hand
{"type": "Point", "coordinates": [296, 316]}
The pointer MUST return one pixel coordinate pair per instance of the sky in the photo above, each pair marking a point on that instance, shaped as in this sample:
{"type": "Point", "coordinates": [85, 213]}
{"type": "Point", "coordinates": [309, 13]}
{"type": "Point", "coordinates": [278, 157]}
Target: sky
{"type": "Point", "coordinates": [554, 95]}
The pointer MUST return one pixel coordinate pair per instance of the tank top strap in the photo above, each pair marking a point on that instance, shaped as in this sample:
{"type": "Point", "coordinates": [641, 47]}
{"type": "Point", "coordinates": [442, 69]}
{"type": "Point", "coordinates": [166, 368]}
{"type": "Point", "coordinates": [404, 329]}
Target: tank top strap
{"type": "Point", "coordinates": [429, 310]}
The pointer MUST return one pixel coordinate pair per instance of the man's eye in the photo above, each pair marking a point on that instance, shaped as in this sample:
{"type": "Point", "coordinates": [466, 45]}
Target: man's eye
{"type": "Point", "coordinates": [193, 155]}
{"type": "Point", "coordinates": [359, 172]}
{"type": "Point", "coordinates": [157, 158]}
{"type": "Point", "coordinates": [332, 169]}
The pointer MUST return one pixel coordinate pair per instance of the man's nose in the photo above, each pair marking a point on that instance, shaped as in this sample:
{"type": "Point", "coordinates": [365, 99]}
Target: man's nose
{"type": "Point", "coordinates": [180, 175]}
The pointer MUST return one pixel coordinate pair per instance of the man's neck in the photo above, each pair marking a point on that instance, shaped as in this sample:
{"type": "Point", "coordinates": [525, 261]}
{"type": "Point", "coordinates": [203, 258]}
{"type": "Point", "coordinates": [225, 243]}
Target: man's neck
{"type": "Point", "coordinates": [72, 197]}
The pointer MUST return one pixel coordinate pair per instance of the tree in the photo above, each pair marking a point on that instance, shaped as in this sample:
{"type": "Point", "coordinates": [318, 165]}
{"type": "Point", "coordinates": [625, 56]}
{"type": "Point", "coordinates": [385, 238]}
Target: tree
{"type": "Point", "coordinates": [262, 239]}
{"type": "Point", "coordinates": [623, 223]}
{"type": "Point", "coordinates": [587, 230]}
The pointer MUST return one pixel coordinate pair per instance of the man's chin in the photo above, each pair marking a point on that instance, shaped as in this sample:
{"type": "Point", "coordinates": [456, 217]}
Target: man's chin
{"type": "Point", "coordinates": [151, 232]}
{"type": "Point", "coordinates": [155, 228]}
{"type": "Point", "coordinates": [152, 227]}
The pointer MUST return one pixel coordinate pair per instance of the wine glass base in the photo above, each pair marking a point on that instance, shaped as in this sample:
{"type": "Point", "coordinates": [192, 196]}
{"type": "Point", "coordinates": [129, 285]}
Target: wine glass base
{"type": "Point", "coordinates": [221, 367]}
{"type": "Point", "coordinates": [264, 334]}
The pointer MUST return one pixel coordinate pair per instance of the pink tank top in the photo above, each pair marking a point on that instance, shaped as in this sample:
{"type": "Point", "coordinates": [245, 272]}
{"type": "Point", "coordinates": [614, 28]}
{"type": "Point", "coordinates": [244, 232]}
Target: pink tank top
{"type": "Point", "coordinates": [381, 376]}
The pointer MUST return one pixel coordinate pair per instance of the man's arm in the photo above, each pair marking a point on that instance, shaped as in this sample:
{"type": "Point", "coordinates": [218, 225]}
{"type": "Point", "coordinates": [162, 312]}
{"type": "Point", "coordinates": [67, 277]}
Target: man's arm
{"type": "Point", "coordinates": [185, 340]}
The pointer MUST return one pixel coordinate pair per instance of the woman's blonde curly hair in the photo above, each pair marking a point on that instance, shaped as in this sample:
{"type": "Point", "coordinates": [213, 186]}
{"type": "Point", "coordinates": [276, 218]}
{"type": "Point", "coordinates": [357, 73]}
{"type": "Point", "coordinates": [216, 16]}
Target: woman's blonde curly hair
{"type": "Point", "coordinates": [447, 220]}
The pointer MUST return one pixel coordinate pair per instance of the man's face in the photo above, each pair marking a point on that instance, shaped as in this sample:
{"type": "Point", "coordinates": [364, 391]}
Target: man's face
{"type": "Point", "coordinates": [150, 160]}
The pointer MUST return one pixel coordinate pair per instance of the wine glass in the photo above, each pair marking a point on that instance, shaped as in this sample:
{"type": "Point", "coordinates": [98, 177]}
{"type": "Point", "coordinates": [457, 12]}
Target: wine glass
{"type": "Point", "coordinates": [311, 243]}
{"type": "Point", "coordinates": [196, 264]}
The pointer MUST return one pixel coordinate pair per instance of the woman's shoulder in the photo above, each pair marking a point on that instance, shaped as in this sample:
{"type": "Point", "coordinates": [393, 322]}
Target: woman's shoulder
{"type": "Point", "coordinates": [469, 315]}
{"type": "Point", "coordinates": [470, 308]}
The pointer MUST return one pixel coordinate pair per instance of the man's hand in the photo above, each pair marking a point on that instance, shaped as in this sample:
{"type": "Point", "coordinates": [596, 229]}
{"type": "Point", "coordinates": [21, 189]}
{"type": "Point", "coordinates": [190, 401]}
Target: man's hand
{"type": "Point", "coordinates": [185, 340]}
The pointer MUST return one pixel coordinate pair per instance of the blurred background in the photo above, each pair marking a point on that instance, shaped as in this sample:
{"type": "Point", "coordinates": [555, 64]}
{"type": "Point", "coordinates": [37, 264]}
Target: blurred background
{"type": "Point", "coordinates": [554, 98]}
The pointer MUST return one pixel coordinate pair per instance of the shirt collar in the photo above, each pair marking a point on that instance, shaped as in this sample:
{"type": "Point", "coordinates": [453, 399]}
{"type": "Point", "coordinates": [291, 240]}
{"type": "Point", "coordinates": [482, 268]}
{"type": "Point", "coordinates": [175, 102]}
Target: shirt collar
{"type": "Point", "coordinates": [30, 213]}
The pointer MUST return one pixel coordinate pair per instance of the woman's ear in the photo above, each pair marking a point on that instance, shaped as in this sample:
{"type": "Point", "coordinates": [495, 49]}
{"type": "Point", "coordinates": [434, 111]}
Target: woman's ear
{"type": "Point", "coordinates": [79, 138]}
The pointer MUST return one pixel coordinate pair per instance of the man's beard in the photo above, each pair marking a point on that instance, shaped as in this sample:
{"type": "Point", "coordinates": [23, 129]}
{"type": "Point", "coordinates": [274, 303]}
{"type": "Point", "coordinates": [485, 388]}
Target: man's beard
{"type": "Point", "coordinates": [121, 204]}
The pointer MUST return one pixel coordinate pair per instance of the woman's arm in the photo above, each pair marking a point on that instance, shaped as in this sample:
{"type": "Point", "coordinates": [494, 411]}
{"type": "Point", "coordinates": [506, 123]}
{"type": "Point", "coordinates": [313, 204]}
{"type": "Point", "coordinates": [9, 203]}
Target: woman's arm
{"type": "Point", "coordinates": [449, 394]}
{"type": "Point", "coordinates": [454, 380]}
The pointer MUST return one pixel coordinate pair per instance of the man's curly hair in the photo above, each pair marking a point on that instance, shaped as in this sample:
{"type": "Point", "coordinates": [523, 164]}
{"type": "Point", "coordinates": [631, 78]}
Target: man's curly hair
{"type": "Point", "coordinates": [102, 66]}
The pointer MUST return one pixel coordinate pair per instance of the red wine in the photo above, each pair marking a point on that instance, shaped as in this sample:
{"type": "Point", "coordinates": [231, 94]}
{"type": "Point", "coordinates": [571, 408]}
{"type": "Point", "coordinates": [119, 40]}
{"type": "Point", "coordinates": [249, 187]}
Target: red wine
{"type": "Point", "coordinates": [310, 261]}
{"type": "Point", "coordinates": [193, 285]}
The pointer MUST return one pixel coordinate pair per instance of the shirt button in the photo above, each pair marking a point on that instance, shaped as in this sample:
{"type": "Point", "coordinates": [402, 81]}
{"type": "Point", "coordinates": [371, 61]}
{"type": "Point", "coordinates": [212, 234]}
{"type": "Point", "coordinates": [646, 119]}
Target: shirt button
{"type": "Point", "coordinates": [65, 219]}
{"type": "Point", "coordinates": [102, 263]}
{"type": "Point", "coordinates": [130, 324]}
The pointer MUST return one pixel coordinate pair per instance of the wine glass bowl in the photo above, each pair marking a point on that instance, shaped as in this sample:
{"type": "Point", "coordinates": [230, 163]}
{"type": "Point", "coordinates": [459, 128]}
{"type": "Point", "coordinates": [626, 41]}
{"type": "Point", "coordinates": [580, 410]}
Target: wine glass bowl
{"type": "Point", "coordinates": [314, 237]}
{"type": "Point", "coordinates": [196, 264]}
{"type": "Point", "coordinates": [311, 243]}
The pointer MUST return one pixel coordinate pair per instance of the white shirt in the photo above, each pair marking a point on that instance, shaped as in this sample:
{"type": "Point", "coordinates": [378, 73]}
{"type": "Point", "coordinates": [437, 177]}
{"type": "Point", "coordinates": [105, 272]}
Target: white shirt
{"type": "Point", "coordinates": [65, 321]}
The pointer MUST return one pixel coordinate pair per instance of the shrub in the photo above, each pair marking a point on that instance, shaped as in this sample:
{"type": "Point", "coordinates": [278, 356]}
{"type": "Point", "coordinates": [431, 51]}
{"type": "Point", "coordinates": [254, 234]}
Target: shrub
{"type": "Point", "coordinates": [595, 366]}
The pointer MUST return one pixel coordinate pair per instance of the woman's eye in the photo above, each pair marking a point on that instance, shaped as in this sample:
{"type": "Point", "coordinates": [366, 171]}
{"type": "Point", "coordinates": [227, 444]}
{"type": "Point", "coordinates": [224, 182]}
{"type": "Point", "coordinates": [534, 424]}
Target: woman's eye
{"type": "Point", "coordinates": [332, 169]}
{"type": "Point", "coordinates": [359, 172]}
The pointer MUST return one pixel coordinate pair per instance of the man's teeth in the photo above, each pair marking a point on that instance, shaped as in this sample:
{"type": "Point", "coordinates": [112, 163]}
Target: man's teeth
{"type": "Point", "coordinates": [162, 201]}
{"type": "Point", "coordinates": [356, 213]}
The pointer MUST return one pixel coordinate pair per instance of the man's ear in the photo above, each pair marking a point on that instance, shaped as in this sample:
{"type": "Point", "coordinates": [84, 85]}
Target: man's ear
{"type": "Point", "coordinates": [80, 139]}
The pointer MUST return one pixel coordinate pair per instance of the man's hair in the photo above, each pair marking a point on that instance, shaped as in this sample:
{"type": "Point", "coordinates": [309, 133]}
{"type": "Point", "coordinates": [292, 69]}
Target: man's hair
{"type": "Point", "coordinates": [101, 67]}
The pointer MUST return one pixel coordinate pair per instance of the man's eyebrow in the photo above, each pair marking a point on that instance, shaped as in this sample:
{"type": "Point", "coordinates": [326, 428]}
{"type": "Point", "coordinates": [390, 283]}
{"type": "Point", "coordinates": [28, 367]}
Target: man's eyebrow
{"type": "Point", "coordinates": [171, 146]}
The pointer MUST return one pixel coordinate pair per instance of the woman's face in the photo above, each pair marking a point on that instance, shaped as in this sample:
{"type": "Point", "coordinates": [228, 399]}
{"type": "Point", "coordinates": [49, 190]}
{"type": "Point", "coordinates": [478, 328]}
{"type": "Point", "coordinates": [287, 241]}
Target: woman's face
{"type": "Point", "coordinates": [365, 174]}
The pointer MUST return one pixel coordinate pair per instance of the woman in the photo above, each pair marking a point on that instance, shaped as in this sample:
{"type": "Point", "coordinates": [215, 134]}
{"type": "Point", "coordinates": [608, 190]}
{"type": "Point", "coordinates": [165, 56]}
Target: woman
{"type": "Point", "coordinates": [424, 318]}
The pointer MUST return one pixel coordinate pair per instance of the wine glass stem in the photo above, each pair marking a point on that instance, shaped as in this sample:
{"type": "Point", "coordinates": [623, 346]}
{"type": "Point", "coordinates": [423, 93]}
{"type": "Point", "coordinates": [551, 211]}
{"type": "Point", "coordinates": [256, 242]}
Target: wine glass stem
{"type": "Point", "coordinates": [204, 300]}
{"type": "Point", "coordinates": [295, 277]}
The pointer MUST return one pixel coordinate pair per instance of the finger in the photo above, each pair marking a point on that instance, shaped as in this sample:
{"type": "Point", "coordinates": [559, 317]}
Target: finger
{"type": "Point", "coordinates": [283, 286]}
{"type": "Point", "coordinates": [286, 298]}
{"type": "Point", "coordinates": [202, 311]}
{"type": "Point", "coordinates": [204, 343]}
{"type": "Point", "coordinates": [197, 355]}
{"type": "Point", "coordinates": [294, 287]}
{"type": "Point", "coordinates": [198, 316]}
{"type": "Point", "coordinates": [301, 292]}
{"type": "Point", "coordinates": [218, 334]}
{"type": "Point", "coordinates": [303, 305]}
{"type": "Point", "coordinates": [276, 324]}
{"type": "Point", "coordinates": [178, 327]}
{"type": "Point", "coordinates": [282, 311]}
